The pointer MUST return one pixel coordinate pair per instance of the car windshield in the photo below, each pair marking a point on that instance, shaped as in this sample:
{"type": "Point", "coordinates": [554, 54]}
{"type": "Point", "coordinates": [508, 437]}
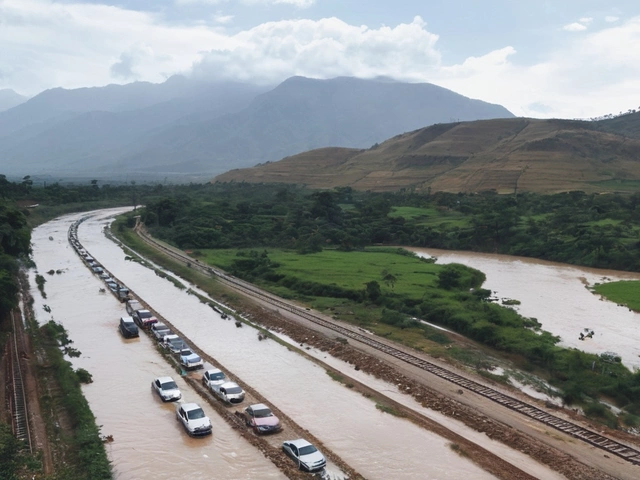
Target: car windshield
{"type": "Point", "coordinates": [197, 413]}
{"type": "Point", "coordinates": [143, 314]}
{"type": "Point", "coordinates": [186, 352]}
{"type": "Point", "coordinates": [169, 386]}
{"type": "Point", "coordinates": [217, 376]}
{"type": "Point", "coordinates": [306, 450]}
{"type": "Point", "coordinates": [264, 412]}
{"type": "Point", "coordinates": [234, 390]}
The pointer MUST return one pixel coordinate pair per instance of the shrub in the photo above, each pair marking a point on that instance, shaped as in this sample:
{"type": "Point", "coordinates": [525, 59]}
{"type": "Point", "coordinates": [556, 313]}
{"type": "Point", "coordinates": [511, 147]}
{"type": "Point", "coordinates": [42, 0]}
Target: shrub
{"type": "Point", "coordinates": [84, 376]}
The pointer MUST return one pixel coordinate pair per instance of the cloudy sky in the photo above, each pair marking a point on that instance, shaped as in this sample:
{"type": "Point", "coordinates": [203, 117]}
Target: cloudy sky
{"type": "Point", "coordinates": [539, 58]}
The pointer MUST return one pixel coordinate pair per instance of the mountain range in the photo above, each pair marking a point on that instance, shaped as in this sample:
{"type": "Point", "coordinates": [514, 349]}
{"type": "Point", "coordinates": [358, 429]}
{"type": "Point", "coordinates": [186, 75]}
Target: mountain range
{"type": "Point", "coordinates": [189, 127]}
{"type": "Point", "coordinates": [501, 155]}
{"type": "Point", "coordinates": [9, 99]}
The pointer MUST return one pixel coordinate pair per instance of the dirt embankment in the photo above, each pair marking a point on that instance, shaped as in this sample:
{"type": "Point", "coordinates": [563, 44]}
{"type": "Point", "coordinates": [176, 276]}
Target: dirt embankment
{"type": "Point", "coordinates": [429, 398]}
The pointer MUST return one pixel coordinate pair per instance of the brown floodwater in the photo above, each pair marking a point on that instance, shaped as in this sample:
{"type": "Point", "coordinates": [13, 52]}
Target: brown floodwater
{"type": "Point", "coordinates": [558, 296]}
{"type": "Point", "coordinates": [148, 441]}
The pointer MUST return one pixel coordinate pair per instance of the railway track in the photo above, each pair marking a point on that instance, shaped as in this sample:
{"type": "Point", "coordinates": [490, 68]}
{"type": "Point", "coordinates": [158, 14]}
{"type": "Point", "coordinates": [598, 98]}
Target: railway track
{"type": "Point", "coordinates": [18, 407]}
{"type": "Point", "coordinates": [602, 442]}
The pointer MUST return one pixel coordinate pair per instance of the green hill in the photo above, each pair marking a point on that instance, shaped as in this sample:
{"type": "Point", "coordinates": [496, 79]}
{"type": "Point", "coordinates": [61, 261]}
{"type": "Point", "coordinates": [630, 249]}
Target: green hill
{"type": "Point", "coordinates": [503, 155]}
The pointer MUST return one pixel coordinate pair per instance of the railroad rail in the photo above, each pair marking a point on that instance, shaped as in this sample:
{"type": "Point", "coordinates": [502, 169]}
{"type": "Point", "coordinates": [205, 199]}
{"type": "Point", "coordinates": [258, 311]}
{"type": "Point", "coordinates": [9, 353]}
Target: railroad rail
{"type": "Point", "coordinates": [20, 420]}
{"type": "Point", "coordinates": [614, 447]}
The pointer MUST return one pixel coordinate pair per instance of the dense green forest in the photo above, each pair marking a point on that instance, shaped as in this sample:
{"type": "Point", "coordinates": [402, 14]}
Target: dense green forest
{"type": "Point", "coordinates": [586, 229]}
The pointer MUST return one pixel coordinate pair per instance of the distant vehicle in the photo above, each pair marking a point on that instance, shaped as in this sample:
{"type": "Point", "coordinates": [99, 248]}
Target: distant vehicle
{"type": "Point", "coordinates": [167, 388]}
{"type": "Point", "coordinates": [213, 377]}
{"type": "Point", "coordinates": [229, 392]}
{"type": "Point", "coordinates": [144, 318]}
{"type": "Point", "coordinates": [160, 330]}
{"type": "Point", "coordinates": [128, 327]}
{"type": "Point", "coordinates": [113, 286]}
{"type": "Point", "coordinates": [192, 417]}
{"type": "Point", "coordinates": [261, 419]}
{"type": "Point", "coordinates": [173, 343]}
{"type": "Point", "coordinates": [132, 306]}
{"type": "Point", "coordinates": [190, 360]}
{"type": "Point", "coordinates": [123, 293]}
{"type": "Point", "coordinates": [305, 455]}
{"type": "Point", "coordinates": [105, 276]}
{"type": "Point", "coordinates": [97, 269]}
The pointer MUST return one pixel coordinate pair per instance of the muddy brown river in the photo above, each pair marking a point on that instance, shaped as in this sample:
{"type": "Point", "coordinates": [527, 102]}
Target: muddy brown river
{"type": "Point", "coordinates": [557, 295]}
{"type": "Point", "coordinates": [148, 441]}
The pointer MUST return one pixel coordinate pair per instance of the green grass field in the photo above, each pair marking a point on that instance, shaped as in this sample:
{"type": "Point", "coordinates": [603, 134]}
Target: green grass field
{"type": "Point", "coordinates": [351, 270]}
{"type": "Point", "coordinates": [431, 216]}
{"type": "Point", "coordinates": [624, 293]}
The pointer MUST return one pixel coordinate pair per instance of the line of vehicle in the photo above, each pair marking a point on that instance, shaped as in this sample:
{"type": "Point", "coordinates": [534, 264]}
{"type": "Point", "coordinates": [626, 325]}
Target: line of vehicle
{"type": "Point", "coordinates": [615, 447]}
{"type": "Point", "coordinates": [230, 415]}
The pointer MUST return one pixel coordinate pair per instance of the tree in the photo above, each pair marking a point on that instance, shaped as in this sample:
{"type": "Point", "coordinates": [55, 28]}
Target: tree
{"type": "Point", "coordinates": [389, 279]}
{"type": "Point", "coordinates": [449, 277]}
{"type": "Point", "coordinates": [373, 291]}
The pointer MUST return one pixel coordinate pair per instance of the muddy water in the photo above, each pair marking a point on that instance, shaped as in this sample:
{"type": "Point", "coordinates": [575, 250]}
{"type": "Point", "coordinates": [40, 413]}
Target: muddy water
{"type": "Point", "coordinates": [522, 461]}
{"type": "Point", "coordinates": [148, 440]}
{"type": "Point", "coordinates": [557, 296]}
{"type": "Point", "coordinates": [376, 444]}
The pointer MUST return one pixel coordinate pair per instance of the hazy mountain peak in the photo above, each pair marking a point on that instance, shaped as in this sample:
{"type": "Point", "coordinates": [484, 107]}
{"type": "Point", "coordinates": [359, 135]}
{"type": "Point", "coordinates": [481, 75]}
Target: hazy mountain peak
{"type": "Point", "coordinates": [10, 98]}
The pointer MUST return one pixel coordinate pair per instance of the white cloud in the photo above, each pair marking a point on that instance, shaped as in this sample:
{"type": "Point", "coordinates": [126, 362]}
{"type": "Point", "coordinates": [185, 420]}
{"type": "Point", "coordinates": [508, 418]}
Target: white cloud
{"type": "Point", "coordinates": [578, 26]}
{"type": "Point", "coordinates": [295, 3]}
{"type": "Point", "coordinates": [223, 19]}
{"type": "Point", "coordinates": [200, 2]}
{"type": "Point", "coordinates": [591, 76]}
{"type": "Point", "coordinates": [325, 48]}
{"type": "Point", "coordinates": [574, 27]}
{"type": "Point", "coordinates": [611, 19]}
{"type": "Point", "coordinates": [47, 44]}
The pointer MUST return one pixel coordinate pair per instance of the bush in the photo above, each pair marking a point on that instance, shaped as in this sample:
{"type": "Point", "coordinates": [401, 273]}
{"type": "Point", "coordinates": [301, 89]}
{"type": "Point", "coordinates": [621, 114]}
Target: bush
{"type": "Point", "coordinates": [84, 376]}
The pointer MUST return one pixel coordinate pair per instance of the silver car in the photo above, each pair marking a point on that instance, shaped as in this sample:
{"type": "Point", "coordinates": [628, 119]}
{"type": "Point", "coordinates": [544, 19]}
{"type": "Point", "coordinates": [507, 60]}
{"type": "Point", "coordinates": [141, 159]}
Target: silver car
{"type": "Point", "coordinates": [193, 419]}
{"type": "Point", "coordinates": [229, 392]}
{"type": "Point", "coordinates": [190, 360]}
{"type": "Point", "coordinates": [213, 377]}
{"type": "Point", "coordinates": [173, 343]}
{"type": "Point", "coordinates": [306, 456]}
{"type": "Point", "coordinates": [160, 330]}
{"type": "Point", "coordinates": [167, 389]}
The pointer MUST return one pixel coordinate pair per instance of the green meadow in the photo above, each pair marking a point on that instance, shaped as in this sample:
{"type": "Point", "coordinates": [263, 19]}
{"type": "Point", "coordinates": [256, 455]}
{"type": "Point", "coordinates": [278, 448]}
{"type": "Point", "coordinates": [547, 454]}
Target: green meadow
{"type": "Point", "coordinates": [624, 293]}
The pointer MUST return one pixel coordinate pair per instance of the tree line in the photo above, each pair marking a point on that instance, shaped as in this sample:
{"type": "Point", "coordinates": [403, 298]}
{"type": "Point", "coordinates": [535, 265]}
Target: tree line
{"type": "Point", "coordinates": [586, 229]}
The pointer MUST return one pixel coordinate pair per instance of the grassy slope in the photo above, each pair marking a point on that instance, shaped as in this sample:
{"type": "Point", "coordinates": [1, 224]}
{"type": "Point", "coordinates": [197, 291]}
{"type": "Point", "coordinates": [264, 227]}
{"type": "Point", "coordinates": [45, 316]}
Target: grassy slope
{"type": "Point", "coordinates": [624, 293]}
{"type": "Point", "coordinates": [544, 156]}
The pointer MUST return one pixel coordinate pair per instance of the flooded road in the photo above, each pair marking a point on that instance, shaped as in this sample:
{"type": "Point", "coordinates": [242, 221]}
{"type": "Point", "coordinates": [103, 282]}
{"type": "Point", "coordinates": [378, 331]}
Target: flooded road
{"type": "Point", "coordinates": [376, 444]}
{"type": "Point", "coordinates": [148, 440]}
{"type": "Point", "coordinates": [557, 296]}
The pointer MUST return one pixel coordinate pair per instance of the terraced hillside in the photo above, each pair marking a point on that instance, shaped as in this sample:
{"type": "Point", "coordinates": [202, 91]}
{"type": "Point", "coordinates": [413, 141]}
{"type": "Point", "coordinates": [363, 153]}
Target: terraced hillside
{"type": "Point", "coordinates": [504, 155]}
